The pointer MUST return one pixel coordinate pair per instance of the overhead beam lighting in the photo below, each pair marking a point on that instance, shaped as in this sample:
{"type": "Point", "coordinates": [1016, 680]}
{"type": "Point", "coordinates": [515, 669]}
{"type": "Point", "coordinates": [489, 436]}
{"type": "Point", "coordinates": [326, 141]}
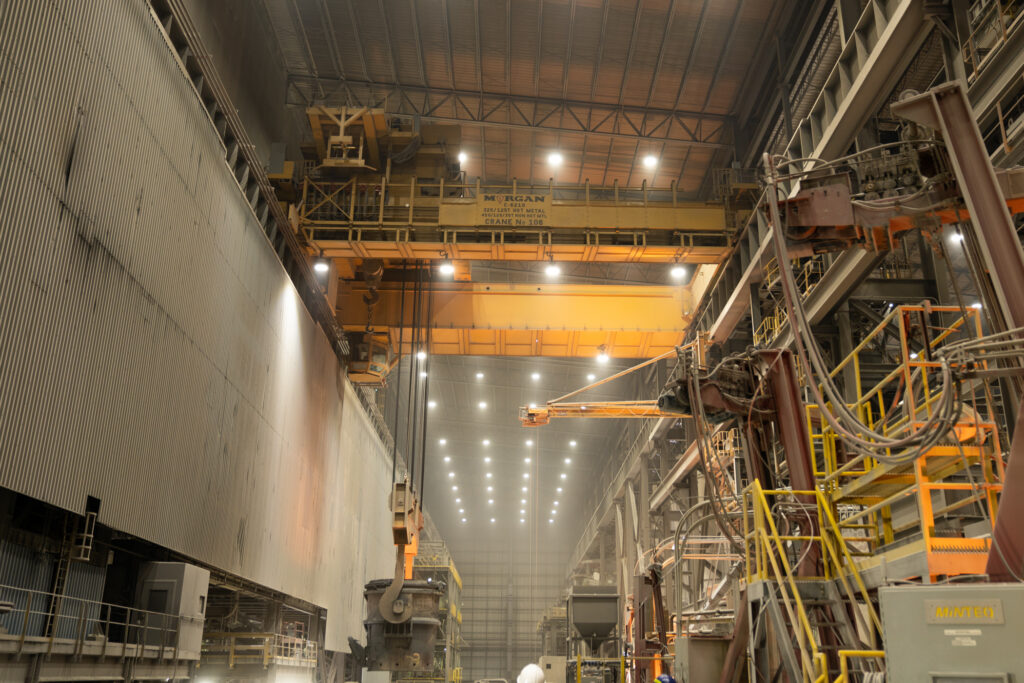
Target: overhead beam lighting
{"type": "Point", "coordinates": [555, 159]}
{"type": "Point", "coordinates": [650, 161]}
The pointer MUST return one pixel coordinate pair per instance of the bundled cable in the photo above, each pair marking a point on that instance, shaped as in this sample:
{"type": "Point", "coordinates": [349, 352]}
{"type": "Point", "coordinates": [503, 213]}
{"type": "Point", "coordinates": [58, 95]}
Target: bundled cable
{"type": "Point", "coordinates": [848, 426]}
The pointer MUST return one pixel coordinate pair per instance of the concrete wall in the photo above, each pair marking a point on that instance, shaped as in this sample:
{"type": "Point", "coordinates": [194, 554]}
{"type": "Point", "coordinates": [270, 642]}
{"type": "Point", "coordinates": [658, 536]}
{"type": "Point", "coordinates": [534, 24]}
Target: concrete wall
{"type": "Point", "coordinates": [153, 352]}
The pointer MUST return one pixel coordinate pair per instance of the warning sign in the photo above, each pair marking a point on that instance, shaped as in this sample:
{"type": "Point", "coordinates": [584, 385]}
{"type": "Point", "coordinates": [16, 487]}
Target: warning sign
{"type": "Point", "coordinates": [515, 210]}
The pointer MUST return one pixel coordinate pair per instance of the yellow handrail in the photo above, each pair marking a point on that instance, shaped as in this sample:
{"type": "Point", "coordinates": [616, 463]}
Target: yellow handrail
{"type": "Point", "coordinates": [844, 661]}
{"type": "Point", "coordinates": [765, 549]}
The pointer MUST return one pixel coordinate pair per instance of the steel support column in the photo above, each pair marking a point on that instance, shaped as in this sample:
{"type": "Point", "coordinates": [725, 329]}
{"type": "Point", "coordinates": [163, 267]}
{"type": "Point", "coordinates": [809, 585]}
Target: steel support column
{"type": "Point", "coordinates": [947, 110]}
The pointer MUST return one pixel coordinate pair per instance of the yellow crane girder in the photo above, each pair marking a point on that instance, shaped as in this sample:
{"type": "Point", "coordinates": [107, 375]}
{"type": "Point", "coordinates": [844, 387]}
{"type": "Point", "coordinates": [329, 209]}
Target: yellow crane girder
{"type": "Point", "coordinates": [531, 319]}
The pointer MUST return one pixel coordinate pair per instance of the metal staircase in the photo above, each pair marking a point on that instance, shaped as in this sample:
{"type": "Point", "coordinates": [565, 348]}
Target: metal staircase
{"type": "Point", "coordinates": [806, 617]}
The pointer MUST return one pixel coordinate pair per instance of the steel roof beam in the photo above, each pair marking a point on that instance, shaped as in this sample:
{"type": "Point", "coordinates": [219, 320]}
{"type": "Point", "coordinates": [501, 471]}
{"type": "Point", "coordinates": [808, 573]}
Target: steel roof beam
{"type": "Point", "coordinates": [547, 114]}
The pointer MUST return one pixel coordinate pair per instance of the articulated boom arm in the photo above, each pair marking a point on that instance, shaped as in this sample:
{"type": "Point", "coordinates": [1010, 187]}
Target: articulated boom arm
{"type": "Point", "coordinates": [541, 415]}
{"type": "Point", "coordinates": [535, 416]}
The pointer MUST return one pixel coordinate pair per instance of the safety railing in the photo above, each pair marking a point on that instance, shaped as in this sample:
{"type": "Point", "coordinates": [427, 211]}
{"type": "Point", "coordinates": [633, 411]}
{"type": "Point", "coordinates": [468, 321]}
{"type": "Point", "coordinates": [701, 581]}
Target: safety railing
{"type": "Point", "coordinates": [768, 553]}
{"type": "Point", "coordinates": [327, 205]}
{"type": "Point", "coordinates": [808, 275]}
{"type": "Point", "coordinates": [1006, 124]}
{"type": "Point", "coordinates": [991, 23]}
{"type": "Point", "coordinates": [893, 376]}
{"type": "Point", "coordinates": [45, 623]}
{"type": "Point", "coordinates": [261, 649]}
{"type": "Point", "coordinates": [844, 661]}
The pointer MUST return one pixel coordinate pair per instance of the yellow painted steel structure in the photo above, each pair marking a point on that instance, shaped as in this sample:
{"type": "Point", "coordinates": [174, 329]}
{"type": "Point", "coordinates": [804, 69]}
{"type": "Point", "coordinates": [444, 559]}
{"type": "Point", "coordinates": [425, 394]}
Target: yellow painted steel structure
{"type": "Point", "coordinates": [532, 320]}
{"type": "Point", "coordinates": [370, 217]}
{"type": "Point", "coordinates": [768, 559]}
{"type": "Point", "coordinates": [873, 487]}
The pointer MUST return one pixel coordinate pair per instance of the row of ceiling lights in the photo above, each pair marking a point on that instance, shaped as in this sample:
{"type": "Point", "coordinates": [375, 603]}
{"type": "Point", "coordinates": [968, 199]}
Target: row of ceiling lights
{"type": "Point", "coordinates": [490, 488]}
{"type": "Point", "coordinates": [555, 159]}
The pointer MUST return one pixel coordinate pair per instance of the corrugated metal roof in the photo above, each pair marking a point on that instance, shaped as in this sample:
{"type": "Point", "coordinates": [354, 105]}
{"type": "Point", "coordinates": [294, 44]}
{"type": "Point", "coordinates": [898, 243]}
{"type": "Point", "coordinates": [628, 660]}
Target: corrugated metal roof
{"type": "Point", "coordinates": [674, 55]}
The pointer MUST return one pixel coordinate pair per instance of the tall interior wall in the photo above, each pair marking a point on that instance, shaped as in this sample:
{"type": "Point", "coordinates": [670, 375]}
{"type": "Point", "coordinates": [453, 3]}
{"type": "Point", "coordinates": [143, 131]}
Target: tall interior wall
{"type": "Point", "coordinates": [507, 586]}
{"type": "Point", "coordinates": [153, 352]}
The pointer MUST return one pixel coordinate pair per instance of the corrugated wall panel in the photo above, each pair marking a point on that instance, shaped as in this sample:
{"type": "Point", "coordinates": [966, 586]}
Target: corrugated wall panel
{"type": "Point", "coordinates": [22, 567]}
{"type": "Point", "coordinates": [85, 582]}
{"type": "Point", "coordinates": [153, 352]}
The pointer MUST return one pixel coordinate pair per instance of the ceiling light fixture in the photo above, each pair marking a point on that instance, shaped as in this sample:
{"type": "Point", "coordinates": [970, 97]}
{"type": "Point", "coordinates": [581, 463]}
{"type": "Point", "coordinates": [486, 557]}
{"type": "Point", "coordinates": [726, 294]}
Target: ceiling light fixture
{"type": "Point", "coordinates": [487, 459]}
{"type": "Point", "coordinates": [522, 521]}
{"type": "Point", "coordinates": [529, 442]}
{"type": "Point", "coordinates": [555, 159]}
{"type": "Point", "coordinates": [482, 405]}
{"type": "Point", "coordinates": [423, 374]}
{"type": "Point", "coordinates": [678, 272]}
{"type": "Point", "coordinates": [976, 305]}
{"type": "Point", "coordinates": [572, 443]}
{"type": "Point", "coordinates": [526, 460]}
{"type": "Point", "coordinates": [552, 270]}
{"type": "Point", "coordinates": [535, 376]}
{"type": "Point", "coordinates": [559, 489]}
{"type": "Point", "coordinates": [447, 458]}
{"type": "Point", "coordinates": [463, 520]}
{"type": "Point", "coordinates": [455, 488]}
{"type": "Point", "coordinates": [489, 475]}
{"type": "Point", "coordinates": [479, 375]}
{"type": "Point", "coordinates": [458, 500]}
{"type": "Point", "coordinates": [591, 377]}
{"type": "Point", "coordinates": [551, 521]}
{"type": "Point", "coordinates": [526, 475]}
{"type": "Point", "coordinates": [490, 501]}
{"type": "Point", "coordinates": [490, 489]}
{"type": "Point", "coordinates": [431, 404]}
{"type": "Point", "coordinates": [522, 501]}
{"type": "Point", "coordinates": [451, 475]}
{"type": "Point", "coordinates": [493, 520]}
{"type": "Point", "coordinates": [487, 442]}
{"type": "Point", "coordinates": [563, 475]}
{"type": "Point", "coordinates": [602, 354]}
{"type": "Point", "coordinates": [463, 157]}
{"type": "Point", "coordinates": [321, 266]}
{"type": "Point", "coordinates": [556, 503]}
{"type": "Point", "coordinates": [568, 461]}
{"type": "Point", "coordinates": [442, 441]}
{"type": "Point", "coordinates": [650, 161]}
{"type": "Point", "coordinates": [447, 268]}
{"type": "Point", "coordinates": [462, 510]}
{"type": "Point", "coordinates": [524, 489]}
{"type": "Point", "coordinates": [421, 354]}
{"type": "Point", "coordinates": [956, 238]}
{"type": "Point", "coordinates": [522, 512]}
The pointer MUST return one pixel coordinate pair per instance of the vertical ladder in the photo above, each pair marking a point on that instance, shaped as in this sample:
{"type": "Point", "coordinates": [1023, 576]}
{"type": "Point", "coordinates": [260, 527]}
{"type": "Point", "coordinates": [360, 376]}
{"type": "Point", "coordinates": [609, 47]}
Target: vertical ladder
{"type": "Point", "coordinates": [60, 576]}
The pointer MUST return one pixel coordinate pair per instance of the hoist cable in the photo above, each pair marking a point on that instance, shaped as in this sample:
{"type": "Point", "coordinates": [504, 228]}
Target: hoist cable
{"type": "Point", "coordinates": [398, 381]}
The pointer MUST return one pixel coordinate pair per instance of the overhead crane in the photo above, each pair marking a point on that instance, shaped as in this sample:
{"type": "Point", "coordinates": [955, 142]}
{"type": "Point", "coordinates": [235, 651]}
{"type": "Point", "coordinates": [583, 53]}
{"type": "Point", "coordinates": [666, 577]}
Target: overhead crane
{"type": "Point", "coordinates": [563, 320]}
